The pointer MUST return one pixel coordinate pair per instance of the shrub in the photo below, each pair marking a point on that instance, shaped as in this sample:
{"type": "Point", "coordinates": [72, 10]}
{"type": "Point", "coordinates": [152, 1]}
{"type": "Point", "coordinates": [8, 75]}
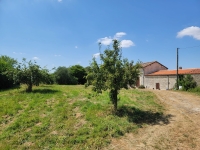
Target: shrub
{"type": "Point", "coordinates": [188, 82]}
{"type": "Point", "coordinates": [141, 87]}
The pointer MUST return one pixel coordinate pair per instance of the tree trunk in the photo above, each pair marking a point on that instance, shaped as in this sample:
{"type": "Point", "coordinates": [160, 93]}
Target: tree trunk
{"type": "Point", "coordinates": [113, 98]}
{"type": "Point", "coordinates": [29, 88]}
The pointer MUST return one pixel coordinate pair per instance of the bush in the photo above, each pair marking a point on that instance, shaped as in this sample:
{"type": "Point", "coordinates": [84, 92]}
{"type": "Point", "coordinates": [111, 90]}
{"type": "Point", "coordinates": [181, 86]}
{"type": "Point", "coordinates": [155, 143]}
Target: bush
{"type": "Point", "coordinates": [141, 87]}
{"type": "Point", "coordinates": [188, 82]}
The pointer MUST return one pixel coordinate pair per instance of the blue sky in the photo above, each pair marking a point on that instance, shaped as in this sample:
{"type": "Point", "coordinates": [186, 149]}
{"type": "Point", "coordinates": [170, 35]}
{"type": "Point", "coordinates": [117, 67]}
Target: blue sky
{"type": "Point", "coordinates": [66, 32]}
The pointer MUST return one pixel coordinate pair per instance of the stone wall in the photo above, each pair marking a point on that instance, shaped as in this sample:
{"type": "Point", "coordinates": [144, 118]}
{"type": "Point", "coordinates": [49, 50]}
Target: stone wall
{"type": "Point", "coordinates": [197, 78]}
{"type": "Point", "coordinates": [165, 82]}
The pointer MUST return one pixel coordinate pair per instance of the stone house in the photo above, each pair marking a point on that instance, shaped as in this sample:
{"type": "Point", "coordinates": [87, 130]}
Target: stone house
{"type": "Point", "coordinates": [154, 75]}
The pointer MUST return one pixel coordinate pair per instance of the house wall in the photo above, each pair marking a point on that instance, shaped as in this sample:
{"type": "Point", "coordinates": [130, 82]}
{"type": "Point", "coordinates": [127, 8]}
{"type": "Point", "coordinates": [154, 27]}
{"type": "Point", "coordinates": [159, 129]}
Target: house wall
{"type": "Point", "coordinates": [148, 70]}
{"type": "Point", "coordinates": [197, 78]}
{"type": "Point", "coordinates": [153, 68]}
{"type": "Point", "coordinates": [141, 77]}
{"type": "Point", "coordinates": [166, 82]}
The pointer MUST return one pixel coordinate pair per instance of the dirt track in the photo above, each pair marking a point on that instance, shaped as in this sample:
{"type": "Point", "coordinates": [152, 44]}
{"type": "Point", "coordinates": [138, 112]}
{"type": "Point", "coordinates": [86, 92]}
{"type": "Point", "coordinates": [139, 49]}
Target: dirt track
{"type": "Point", "coordinates": [182, 132]}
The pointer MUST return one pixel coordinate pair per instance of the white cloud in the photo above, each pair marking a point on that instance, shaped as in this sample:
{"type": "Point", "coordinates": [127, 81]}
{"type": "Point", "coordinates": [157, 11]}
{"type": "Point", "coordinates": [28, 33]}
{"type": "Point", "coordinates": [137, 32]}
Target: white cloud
{"type": "Point", "coordinates": [76, 46]}
{"type": "Point", "coordinates": [59, 0]}
{"type": "Point", "coordinates": [35, 58]}
{"type": "Point", "coordinates": [126, 43]}
{"type": "Point", "coordinates": [119, 35]}
{"type": "Point", "coordinates": [190, 31]}
{"type": "Point", "coordinates": [96, 55]}
{"type": "Point", "coordinates": [105, 41]}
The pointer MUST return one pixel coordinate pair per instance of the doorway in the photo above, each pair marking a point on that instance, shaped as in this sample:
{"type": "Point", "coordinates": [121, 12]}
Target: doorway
{"type": "Point", "coordinates": [158, 86]}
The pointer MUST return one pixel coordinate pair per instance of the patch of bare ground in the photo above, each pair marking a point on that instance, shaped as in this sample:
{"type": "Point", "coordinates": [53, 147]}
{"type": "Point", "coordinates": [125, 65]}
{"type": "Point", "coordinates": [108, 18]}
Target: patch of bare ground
{"type": "Point", "coordinates": [51, 102]}
{"type": "Point", "coordinates": [27, 144]}
{"type": "Point", "coordinates": [79, 117]}
{"type": "Point", "coordinates": [54, 132]}
{"type": "Point", "coordinates": [181, 133]}
{"type": "Point", "coordinates": [71, 101]}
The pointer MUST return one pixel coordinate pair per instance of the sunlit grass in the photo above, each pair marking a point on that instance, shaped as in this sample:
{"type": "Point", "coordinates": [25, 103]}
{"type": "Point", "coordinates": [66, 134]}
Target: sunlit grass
{"type": "Point", "coordinates": [71, 117]}
{"type": "Point", "coordinates": [195, 90]}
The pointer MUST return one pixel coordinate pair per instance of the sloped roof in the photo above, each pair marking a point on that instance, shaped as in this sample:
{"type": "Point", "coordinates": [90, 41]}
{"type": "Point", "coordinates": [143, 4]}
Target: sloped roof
{"type": "Point", "coordinates": [173, 72]}
{"type": "Point", "coordinates": [149, 63]}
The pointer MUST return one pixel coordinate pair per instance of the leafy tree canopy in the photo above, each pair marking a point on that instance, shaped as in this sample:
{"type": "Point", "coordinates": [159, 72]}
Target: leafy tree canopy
{"type": "Point", "coordinates": [113, 73]}
{"type": "Point", "coordinates": [5, 64]}
{"type": "Point", "coordinates": [78, 72]}
{"type": "Point", "coordinates": [29, 73]}
{"type": "Point", "coordinates": [64, 77]}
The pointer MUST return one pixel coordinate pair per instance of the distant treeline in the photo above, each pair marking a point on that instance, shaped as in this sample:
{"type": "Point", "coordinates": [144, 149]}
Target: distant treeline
{"type": "Point", "coordinates": [14, 73]}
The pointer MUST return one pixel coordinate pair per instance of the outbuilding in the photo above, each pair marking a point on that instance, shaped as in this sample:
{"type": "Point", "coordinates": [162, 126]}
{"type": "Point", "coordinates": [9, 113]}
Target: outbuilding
{"type": "Point", "coordinates": [154, 75]}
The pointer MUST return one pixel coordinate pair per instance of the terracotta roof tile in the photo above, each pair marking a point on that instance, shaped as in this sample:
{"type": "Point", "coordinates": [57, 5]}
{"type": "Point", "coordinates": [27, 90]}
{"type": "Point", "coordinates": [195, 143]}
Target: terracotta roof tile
{"type": "Point", "coordinates": [173, 72]}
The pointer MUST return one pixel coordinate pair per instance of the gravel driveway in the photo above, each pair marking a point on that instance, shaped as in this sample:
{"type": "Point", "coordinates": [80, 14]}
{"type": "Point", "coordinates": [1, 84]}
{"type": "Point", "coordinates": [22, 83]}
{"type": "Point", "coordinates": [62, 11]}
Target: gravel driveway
{"type": "Point", "coordinates": [182, 133]}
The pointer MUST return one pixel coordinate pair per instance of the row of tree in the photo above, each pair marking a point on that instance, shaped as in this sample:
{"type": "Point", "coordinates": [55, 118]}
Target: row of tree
{"type": "Point", "coordinates": [112, 74]}
{"type": "Point", "coordinates": [13, 73]}
{"type": "Point", "coordinates": [73, 75]}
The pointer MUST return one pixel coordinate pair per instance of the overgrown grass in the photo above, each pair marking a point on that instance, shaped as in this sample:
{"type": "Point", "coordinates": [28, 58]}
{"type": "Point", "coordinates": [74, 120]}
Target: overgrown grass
{"type": "Point", "coordinates": [195, 90]}
{"type": "Point", "coordinates": [72, 117]}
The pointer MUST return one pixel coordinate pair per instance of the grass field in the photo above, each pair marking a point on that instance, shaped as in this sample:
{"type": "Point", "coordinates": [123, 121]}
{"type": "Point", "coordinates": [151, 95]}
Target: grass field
{"type": "Point", "coordinates": [71, 117]}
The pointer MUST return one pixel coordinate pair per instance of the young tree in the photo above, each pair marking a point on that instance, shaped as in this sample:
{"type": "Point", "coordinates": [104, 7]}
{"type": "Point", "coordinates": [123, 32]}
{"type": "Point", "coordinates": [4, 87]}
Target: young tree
{"type": "Point", "coordinates": [114, 73]}
{"type": "Point", "coordinates": [28, 73]}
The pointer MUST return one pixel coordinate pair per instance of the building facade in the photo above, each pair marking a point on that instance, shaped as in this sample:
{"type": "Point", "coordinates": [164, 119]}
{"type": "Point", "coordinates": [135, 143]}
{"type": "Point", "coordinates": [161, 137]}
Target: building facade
{"type": "Point", "coordinates": [154, 75]}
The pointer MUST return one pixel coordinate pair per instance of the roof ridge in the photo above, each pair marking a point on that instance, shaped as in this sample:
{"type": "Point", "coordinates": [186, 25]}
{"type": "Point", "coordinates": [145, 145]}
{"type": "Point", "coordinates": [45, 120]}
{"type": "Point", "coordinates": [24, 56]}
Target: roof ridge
{"type": "Point", "coordinates": [149, 63]}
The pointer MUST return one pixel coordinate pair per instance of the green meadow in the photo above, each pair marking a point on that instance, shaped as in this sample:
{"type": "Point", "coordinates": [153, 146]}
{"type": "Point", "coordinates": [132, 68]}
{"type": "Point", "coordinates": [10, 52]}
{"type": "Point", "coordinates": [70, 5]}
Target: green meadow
{"type": "Point", "coordinates": [72, 117]}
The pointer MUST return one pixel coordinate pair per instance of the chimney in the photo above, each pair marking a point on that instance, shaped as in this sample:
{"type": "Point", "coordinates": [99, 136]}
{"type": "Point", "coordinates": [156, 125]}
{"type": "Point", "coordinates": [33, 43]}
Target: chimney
{"type": "Point", "coordinates": [180, 67]}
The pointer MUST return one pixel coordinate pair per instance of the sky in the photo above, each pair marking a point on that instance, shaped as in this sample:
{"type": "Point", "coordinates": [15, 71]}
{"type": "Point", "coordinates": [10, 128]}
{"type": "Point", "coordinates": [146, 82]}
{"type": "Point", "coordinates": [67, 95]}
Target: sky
{"type": "Point", "coordinates": [68, 32]}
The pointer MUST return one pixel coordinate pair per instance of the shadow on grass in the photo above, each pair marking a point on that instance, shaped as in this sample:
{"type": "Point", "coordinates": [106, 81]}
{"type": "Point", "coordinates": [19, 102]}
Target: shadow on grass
{"type": "Point", "coordinates": [45, 91]}
{"type": "Point", "coordinates": [10, 88]}
{"type": "Point", "coordinates": [139, 116]}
